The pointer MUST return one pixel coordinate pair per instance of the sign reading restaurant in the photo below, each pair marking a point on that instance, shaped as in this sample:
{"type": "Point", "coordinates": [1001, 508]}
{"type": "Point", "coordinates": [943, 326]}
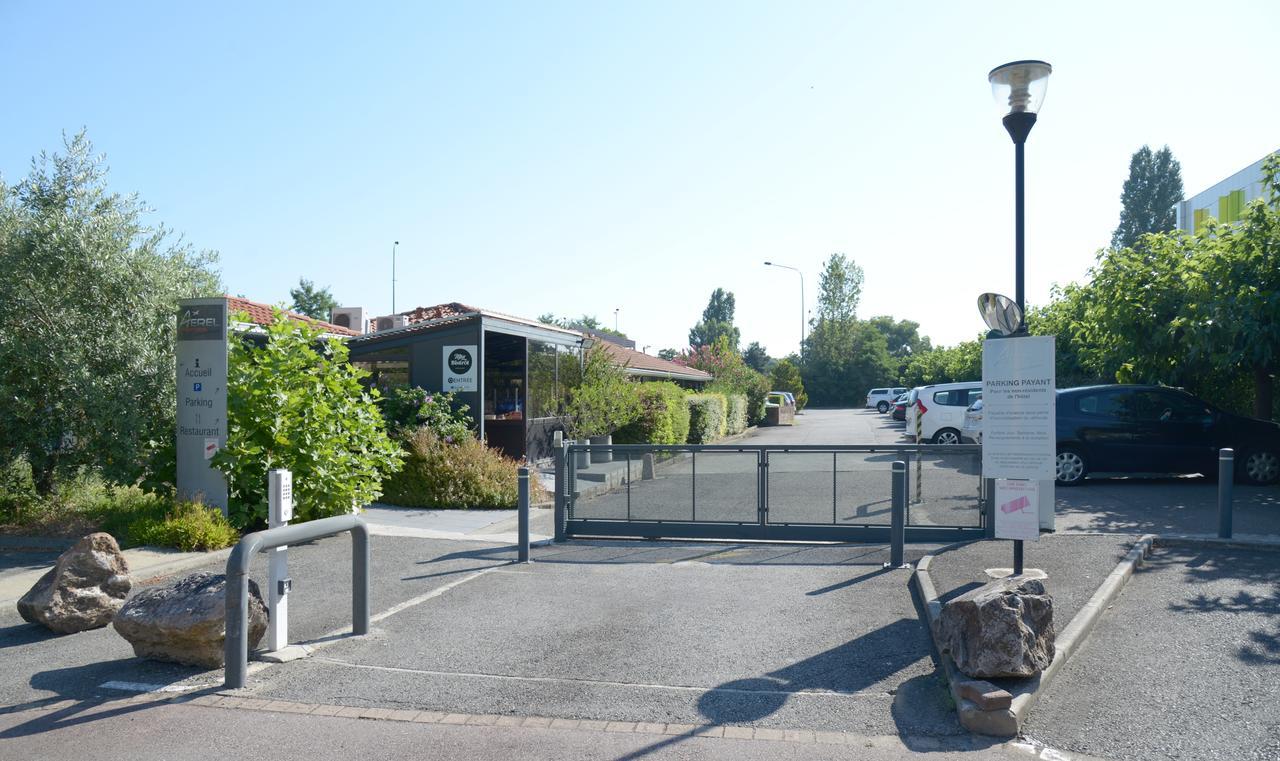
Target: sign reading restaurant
{"type": "Point", "coordinates": [202, 398]}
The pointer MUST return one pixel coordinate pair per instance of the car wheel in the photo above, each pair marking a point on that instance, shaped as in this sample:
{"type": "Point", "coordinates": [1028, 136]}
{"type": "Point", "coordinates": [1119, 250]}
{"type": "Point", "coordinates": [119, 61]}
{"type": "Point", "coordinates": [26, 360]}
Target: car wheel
{"type": "Point", "coordinates": [1071, 467]}
{"type": "Point", "coordinates": [1261, 466]}
{"type": "Point", "coordinates": [882, 407]}
{"type": "Point", "coordinates": [947, 436]}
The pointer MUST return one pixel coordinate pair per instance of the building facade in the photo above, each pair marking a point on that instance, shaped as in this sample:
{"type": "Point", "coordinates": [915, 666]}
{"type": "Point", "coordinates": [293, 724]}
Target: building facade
{"type": "Point", "coordinates": [1225, 201]}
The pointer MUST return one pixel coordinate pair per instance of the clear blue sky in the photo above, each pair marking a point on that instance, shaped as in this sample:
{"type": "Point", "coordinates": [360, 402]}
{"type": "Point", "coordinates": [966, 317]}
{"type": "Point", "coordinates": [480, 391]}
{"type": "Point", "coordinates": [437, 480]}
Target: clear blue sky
{"type": "Point", "coordinates": [582, 157]}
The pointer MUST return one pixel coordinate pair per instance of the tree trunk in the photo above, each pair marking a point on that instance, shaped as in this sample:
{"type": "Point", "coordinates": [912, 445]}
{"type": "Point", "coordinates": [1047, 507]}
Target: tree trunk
{"type": "Point", "coordinates": [1263, 385]}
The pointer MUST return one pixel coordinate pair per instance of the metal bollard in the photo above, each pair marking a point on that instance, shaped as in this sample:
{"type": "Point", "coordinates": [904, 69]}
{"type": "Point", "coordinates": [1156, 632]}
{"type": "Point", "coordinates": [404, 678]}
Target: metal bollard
{"type": "Point", "coordinates": [522, 507]}
{"type": "Point", "coordinates": [562, 475]}
{"type": "Point", "coordinates": [1226, 482]}
{"type": "Point", "coordinates": [898, 513]}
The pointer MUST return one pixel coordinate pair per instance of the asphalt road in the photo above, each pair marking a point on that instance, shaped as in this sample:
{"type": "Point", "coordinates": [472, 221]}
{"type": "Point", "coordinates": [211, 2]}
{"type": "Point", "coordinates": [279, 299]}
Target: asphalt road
{"type": "Point", "coordinates": [1184, 665]}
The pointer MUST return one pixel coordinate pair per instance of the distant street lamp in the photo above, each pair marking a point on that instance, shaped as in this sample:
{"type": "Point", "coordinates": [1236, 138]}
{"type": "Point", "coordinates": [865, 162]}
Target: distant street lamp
{"type": "Point", "coordinates": [801, 274]}
{"type": "Point", "coordinates": [615, 318]}
{"type": "Point", "coordinates": [1021, 86]}
{"type": "Point", "coordinates": [393, 276]}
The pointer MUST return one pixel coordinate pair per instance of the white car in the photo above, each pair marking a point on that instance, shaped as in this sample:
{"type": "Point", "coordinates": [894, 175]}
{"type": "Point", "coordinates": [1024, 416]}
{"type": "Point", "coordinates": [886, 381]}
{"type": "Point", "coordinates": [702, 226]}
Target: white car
{"type": "Point", "coordinates": [941, 409]}
{"type": "Point", "coordinates": [971, 431]}
{"type": "Point", "coordinates": [882, 398]}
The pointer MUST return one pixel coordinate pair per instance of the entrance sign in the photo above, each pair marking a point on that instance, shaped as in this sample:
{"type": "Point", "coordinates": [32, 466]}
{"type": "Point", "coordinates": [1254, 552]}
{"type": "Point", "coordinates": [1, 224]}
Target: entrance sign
{"type": "Point", "coordinates": [1017, 505]}
{"type": "Point", "coordinates": [202, 398]}
{"type": "Point", "coordinates": [1019, 433]}
{"type": "Point", "coordinates": [460, 368]}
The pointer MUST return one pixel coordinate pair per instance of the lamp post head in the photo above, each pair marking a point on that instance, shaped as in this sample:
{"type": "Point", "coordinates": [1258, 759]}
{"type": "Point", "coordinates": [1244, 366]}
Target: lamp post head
{"type": "Point", "coordinates": [1020, 85]}
{"type": "Point", "coordinates": [768, 264]}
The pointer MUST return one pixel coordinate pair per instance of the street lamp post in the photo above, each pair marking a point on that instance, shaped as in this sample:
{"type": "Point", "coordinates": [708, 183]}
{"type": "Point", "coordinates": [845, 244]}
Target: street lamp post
{"type": "Point", "coordinates": [1021, 85]}
{"type": "Point", "coordinates": [801, 274]}
{"type": "Point", "coordinates": [393, 276]}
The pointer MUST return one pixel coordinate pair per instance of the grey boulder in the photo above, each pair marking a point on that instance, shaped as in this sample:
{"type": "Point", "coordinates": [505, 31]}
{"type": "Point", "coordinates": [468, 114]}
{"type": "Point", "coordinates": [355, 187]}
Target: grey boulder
{"type": "Point", "coordinates": [186, 622]}
{"type": "Point", "coordinates": [1002, 629]}
{"type": "Point", "coordinates": [83, 590]}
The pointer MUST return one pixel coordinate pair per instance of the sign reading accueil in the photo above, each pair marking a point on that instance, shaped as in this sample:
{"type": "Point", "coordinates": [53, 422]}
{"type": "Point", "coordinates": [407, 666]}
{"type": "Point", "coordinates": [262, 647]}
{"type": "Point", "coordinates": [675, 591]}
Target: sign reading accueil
{"type": "Point", "coordinates": [460, 368]}
{"type": "Point", "coordinates": [1019, 395]}
{"type": "Point", "coordinates": [202, 398]}
{"type": "Point", "coordinates": [1017, 513]}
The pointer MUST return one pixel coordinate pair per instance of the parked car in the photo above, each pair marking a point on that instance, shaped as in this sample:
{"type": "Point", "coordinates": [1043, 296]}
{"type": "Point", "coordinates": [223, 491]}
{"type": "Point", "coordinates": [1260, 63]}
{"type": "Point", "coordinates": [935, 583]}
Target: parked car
{"type": "Point", "coordinates": [882, 398]}
{"type": "Point", "coordinates": [900, 407]}
{"type": "Point", "coordinates": [1156, 429]}
{"type": "Point", "coordinates": [940, 408]}
{"type": "Point", "coordinates": [971, 431]}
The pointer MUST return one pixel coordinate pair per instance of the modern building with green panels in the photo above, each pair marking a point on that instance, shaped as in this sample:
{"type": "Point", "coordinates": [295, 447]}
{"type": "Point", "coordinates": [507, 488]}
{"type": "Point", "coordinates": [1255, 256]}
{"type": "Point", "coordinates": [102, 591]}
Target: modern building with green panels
{"type": "Point", "coordinates": [1224, 201]}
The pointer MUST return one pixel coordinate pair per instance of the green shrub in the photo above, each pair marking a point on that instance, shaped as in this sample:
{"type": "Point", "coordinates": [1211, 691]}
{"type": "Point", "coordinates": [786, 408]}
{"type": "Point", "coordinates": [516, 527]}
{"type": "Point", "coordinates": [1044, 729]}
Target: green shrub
{"type": "Point", "coordinates": [786, 377]}
{"type": "Point", "coordinates": [736, 414]}
{"type": "Point", "coordinates": [297, 403]}
{"type": "Point", "coordinates": [407, 409]}
{"type": "Point", "coordinates": [605, 400]}
{"type": "Point", "coordinates": [664, 416]}
{"type": "Point", "coordinates": [189, 526]}
{"type": "Point", "coordinates": [464, 473]}
{"type": "Point", "coordinates": [706, 417]}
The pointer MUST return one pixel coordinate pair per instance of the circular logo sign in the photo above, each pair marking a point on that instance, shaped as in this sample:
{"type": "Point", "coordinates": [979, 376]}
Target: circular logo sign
{"type": "Point", "coordinates": [460, 361]}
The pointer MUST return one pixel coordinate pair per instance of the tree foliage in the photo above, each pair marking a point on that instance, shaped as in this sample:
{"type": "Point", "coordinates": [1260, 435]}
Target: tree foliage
{"type": "Point", "coordinates": [716, 322]}
{"type": "Point", "coordinates": [839, 289]}
{"type": "Point", "coordinates": [317, 303]}
{"type": "Point", "coordinates": [756, 357]}
{"type": "Point", "coordinates": [1150, 194]}
{"type": "Point", "coordinates": [730, 374]}
{"type": "Point", "coordinates": [89, 291]}
{"type": "Point", "coordinates": [297, 403]}
{"type": "Point", "coordinates": [786, 377]}
{"type": "Point", "coordinates": [605, 400]}
{"type": "Point", "coordinates": [843, 356]}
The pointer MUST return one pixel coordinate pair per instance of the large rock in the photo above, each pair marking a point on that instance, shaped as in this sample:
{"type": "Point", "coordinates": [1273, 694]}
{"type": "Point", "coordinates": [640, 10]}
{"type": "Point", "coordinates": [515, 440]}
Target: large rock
{"type": "Point", "coordinates": [1003, 629]}
{"type": "Point", "coordinates": [186, 622]}
{"type": "Point", "coordinates": [83, 590]}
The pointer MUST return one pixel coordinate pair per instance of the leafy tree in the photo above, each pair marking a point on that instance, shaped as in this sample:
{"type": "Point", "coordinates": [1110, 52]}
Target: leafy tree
{"type": "Point", "coordinates": [843, 359]}
{"type": "Point", "coordinates": [730, 374]}
{"type": "Point", "coordinates": [407, 409]}
{"type": "Point", "coordinates": [717, 322]}
{"type": "Point", "coordinates": [962, 362]}
{"type": "Point", "coordinates": [756, 357]}
{"type": "Point", "coordinates": [839, 289]}
{"type": "Point", "coordinates": [87, 330]}
{"type": "Point", "coordinates": [668, 354]}
{"type": "Point", "coordinates": [585, 322]}
{"type": "Point", "coordinates": [901, 336]}
{"type": "Point", "coordinates": [1153, 188]}
{"type": "Point", "coordinates": [605, 400]}
{"type": "Point", "coordinates": [297, 403]}
{"type": "Point", "coordinates": [786, 377]}
{"type": "Point", "coordinates": [317, 303]}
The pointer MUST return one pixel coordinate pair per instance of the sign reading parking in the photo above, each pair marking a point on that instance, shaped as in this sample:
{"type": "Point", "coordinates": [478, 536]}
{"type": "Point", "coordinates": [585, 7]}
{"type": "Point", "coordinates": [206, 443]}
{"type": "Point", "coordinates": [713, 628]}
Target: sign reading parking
{"type": "Point", "coordinates": [460, 368]}
{"type": "Point", "coordinates": [202, 398]}
{"type": "Point", "coordinates": [1019, 432]}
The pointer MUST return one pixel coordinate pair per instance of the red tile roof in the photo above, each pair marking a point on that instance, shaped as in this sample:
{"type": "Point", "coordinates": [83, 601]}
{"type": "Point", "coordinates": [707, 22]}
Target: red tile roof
{"type": "Point", "coordinates": [644, 364]}
{"type": "Point", "coordinates": [261, 314]}
{"type": "Point", "coordinates": [438, 312]}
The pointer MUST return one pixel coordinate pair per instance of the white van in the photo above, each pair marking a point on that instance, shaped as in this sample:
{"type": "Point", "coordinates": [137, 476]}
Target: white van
{"type": "Point", "coordinates": [941, 407]}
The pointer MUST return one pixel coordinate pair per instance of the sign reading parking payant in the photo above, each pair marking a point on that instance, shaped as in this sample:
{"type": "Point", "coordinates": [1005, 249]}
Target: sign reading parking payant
{"type": "Point", "coordinates": [460, 368]}
{"type": "Point", "coordinates": [1019, 432]}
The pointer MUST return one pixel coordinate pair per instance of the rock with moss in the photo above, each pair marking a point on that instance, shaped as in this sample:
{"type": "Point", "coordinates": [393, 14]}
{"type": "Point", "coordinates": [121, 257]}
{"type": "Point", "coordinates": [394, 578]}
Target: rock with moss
{"type": "Point", "coordinates": [186, 622]}
{"type": "Point", "coordinates": [84, 589]}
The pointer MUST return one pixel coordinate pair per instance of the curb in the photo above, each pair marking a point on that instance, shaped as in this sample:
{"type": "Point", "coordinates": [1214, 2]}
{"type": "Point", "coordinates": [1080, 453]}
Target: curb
{"type": "Point", "coordinates": [1263, 542]}
{"type": "Point", "coordinates": [1007, 722]}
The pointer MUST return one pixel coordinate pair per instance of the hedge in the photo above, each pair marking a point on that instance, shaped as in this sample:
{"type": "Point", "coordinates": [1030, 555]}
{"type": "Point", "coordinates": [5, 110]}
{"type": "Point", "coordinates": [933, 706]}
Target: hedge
{"type": "Point", "coordinates": [707, 418]}
{"type": "Point", "coordinates": [736, 414]}
{"type": "Point", "coordinates": [664, 416]}
{"type": "Point", "coordinates": [439, 473]}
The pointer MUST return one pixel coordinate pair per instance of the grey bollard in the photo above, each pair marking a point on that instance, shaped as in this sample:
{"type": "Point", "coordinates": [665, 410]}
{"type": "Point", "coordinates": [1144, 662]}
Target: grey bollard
{"type": "Point", "coordinates": [562, 475]}
{"type": "Point", "coordinates": [1226, 483]}
{"type": "Point", "coordinates": [647, 469]}
{"type": "Point", "coordinates": [522, 481]}
{"type": "Point", "coordinates": [898, 513]}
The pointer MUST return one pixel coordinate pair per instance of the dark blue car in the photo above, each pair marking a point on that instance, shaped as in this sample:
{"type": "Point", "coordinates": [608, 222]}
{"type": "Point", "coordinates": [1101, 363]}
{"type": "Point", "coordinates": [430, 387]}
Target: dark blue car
{"type": "Point", "coordinates": [1156, 429]}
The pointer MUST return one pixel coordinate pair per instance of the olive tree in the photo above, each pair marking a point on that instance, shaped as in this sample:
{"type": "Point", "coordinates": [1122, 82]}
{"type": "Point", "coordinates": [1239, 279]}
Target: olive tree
{"type": "Point", "coordinates": [89, 291]}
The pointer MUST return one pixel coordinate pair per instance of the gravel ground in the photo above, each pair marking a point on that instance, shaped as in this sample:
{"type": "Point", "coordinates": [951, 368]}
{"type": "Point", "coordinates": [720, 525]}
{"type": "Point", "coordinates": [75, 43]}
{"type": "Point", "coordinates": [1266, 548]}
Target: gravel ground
{"type": "Point", "coordinates": [1184, 665]}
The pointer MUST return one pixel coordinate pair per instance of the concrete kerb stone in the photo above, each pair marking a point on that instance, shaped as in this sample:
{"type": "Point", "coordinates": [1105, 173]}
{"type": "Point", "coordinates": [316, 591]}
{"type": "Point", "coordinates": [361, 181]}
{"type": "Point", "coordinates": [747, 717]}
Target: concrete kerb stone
{"type": "Point", "coordinates": [1263, 542]}
{"type": "Point", "coordinates": [1007, 722]}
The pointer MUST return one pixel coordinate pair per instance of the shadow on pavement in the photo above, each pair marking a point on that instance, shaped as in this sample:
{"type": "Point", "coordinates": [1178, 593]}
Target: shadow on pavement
{"type": "Point", "coordinates": [25, 634]}
{"type": "Point", "coordinates": [1255, 568]}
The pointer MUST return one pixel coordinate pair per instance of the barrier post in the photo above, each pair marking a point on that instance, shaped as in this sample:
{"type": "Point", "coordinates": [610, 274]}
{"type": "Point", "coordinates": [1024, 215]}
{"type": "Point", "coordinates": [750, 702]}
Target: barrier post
{"type": "Point", "coordinates": [1226, 478]}
{"type": "Point", "coordinates": [898, 512]}
{"type": "Point", "coordinates": [523, 514]}
{"type": "Point", "coordinates": [562, 477]}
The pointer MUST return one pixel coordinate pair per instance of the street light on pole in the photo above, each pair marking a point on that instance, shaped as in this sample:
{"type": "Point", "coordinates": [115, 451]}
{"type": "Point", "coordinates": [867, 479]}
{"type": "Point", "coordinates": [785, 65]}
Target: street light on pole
{"type": "Point", "coordinates": [393, 276]}
{"type": "Point", "coordinates": [615, 318]}
{"type": "Point", "coordinates": [801, 274]}
{"type": "Point", "coordinates": [1020, 85]}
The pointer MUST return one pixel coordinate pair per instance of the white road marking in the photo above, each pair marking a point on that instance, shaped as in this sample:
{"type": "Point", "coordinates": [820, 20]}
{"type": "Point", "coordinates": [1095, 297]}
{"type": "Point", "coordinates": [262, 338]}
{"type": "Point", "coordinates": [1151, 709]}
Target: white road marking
{"type": "Point", "coordinates": [144, 687]}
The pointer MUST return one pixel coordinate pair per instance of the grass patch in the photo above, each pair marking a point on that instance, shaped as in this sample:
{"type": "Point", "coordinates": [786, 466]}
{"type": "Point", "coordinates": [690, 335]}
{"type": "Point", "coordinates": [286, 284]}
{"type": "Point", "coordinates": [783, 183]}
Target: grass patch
{"type": "Point", "coordinates": [86, 503]}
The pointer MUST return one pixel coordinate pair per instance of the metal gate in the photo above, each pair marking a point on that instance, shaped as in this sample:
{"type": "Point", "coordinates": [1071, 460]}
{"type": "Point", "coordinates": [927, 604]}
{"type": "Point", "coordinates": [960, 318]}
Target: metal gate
{"type": "Point", "coordinates": [838, 493]}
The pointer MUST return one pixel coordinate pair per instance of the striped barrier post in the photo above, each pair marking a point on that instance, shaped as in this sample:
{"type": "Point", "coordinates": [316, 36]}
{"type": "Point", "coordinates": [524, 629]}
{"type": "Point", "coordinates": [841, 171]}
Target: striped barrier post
{"type": "Point", "coordinates": [919, 456]}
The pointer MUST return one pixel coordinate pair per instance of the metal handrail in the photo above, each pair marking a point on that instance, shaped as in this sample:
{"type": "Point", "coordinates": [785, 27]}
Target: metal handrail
{"type": "Point", "coordinates": [236, 647]}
